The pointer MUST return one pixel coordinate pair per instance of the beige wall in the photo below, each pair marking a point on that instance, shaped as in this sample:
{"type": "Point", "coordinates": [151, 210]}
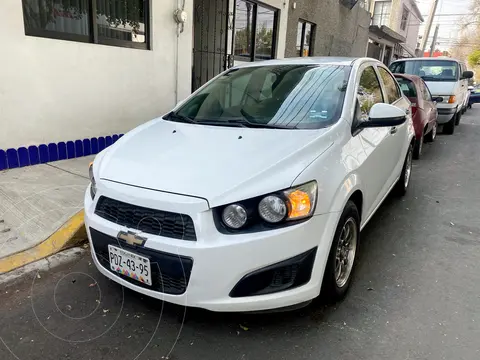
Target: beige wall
{"type": "Point", "coordinates": [413, 25]}
{"type": "Point", "coordinates": [57, 90]}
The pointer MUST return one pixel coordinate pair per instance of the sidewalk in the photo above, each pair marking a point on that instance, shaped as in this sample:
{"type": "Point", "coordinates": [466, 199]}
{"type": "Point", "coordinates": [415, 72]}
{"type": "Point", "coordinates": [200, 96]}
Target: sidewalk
{"type": "Point", "coordinates": [36, 204]}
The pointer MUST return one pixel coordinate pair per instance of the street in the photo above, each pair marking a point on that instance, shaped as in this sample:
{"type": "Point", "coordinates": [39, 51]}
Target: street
{"type": "Point", "coordinates": [414, 294]}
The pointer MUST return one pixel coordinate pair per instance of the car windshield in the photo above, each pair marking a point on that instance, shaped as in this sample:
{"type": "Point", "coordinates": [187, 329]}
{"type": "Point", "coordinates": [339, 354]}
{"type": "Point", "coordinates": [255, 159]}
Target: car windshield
{"type": "Point", "coordinates": [429, 70]}
{"type": "Point", "coordinates": [407, 87]}
{"type": "Point", "coordinates": [281, 96]}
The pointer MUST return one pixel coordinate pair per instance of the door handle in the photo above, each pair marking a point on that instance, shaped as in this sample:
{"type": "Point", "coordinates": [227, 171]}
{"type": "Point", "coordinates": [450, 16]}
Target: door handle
{"type": "Point", "coordinates": [393, 130]}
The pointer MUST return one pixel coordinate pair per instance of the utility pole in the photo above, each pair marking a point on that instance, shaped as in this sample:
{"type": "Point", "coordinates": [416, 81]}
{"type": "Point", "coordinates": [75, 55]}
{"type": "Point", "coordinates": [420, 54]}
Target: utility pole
{"type": "Point", "coordinates": [434, 42]}
{"type": "Point", "coordinates": [433, 9]}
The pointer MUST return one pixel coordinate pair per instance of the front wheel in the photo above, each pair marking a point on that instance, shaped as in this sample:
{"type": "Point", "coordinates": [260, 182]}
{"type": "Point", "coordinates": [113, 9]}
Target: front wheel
{"type": "Point", "coordinates": [343, 253]}
{"type": "Point", "coordinates": [449, 128]}
{"type": "Point", "coordinates": [404, 180]}
{"type": "Point", "coordinates": [458, 118]}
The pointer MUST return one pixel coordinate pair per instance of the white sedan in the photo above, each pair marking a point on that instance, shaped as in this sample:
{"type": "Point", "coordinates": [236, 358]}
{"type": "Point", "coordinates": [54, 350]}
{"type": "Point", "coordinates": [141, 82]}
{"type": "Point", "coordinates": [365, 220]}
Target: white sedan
{"type": "Point", "coordinates": [250, 195]}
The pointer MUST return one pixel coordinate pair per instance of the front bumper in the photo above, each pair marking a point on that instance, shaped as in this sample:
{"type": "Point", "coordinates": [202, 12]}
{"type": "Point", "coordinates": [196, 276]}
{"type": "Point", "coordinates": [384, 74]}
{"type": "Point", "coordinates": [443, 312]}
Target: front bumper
{"type": "Point", "coordinates": [218, 261]}
{"type": "Point", "coordinates": [445, 113]}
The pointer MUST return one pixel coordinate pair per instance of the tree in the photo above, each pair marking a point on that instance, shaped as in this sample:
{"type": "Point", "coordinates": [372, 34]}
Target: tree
{"type": "Point", "coordinates": [474, 58]}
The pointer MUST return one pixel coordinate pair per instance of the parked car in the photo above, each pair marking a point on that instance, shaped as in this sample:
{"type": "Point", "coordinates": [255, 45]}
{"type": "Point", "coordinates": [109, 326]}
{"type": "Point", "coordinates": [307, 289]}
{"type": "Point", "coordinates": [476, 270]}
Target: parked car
{"type": "Point", "coordinates": [474, 97]}
{"type": "Point", "coordinates": [446, 78]}
{"type": "Point", "coordinates": [250, 195]}
{"type": "Point", "coordinates": [424, 109]}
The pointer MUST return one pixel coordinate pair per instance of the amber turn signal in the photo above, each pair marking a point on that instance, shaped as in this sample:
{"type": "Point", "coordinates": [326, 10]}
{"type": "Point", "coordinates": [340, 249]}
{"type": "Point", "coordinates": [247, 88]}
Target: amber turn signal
{"type": "Point", "coordinates": [301, 201]}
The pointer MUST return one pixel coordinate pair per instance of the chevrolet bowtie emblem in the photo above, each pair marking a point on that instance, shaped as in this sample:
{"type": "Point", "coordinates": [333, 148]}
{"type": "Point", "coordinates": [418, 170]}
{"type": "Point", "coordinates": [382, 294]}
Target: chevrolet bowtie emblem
{"type": "Point", "coordinates": [131, 238]}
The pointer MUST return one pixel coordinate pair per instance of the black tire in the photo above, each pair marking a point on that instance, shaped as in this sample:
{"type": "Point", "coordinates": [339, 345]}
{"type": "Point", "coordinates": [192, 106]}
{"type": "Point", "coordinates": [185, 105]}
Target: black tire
{"type": "Point", "coordinates": [332, 291]}
{"type": "Point", "coordinates": [401, 186]}
{"type": "Point", "coordinates": [432, 135]}
{"type": "Point", "coordinates": [458, 118]}
{"type": "Point", "coordinates": [449, 128]}
{"type": "Point", "coordinates": [417, 150]}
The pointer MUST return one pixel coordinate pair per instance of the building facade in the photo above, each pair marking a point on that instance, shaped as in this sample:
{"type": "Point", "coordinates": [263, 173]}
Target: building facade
{"type": "Point", "coordinates": [77, 74]}
{"type": "Point", "coordinates": [394, 29]}
{"type": "Point", "coordinates": [326, 28]}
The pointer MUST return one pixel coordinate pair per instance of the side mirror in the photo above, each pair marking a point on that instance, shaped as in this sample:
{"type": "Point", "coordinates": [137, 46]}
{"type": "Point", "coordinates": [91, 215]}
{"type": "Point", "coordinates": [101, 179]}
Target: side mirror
{"type": "Point", "coordinates": [384, 115]}
{"type": "Point", "coordinates": [467, 74]}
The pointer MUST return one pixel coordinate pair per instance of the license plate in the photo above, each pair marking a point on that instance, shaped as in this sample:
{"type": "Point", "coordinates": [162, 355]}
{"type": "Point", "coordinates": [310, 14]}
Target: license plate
{"type": "Point", "coordinates": [130, 264]}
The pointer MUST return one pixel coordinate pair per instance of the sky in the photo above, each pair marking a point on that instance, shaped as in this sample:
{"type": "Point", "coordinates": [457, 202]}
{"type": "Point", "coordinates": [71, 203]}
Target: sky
{"type": "Point", "coordinates": [449, 16]}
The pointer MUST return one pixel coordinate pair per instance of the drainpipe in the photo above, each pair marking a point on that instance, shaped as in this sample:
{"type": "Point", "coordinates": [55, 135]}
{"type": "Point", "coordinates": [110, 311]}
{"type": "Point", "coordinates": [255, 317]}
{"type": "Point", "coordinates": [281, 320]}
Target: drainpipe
{"type": "Point", "coordinates": [180, 29]}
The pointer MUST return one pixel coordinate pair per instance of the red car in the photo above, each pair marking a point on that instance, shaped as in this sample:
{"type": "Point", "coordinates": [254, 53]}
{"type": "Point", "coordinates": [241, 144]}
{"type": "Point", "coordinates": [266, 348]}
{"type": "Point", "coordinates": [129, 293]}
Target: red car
{"type": "Point", "coordinates": [424, 109]}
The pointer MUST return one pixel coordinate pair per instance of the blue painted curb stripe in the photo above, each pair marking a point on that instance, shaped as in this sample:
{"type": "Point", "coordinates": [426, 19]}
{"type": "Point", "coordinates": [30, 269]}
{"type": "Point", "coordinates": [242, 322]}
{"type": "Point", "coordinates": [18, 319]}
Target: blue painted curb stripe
{"type": "Point", "coordinates": [33, 155]}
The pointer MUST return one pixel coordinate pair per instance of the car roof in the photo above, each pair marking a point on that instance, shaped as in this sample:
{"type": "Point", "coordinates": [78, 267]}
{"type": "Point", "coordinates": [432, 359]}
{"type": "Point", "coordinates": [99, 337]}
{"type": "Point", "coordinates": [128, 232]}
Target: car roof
{"type": "Point", "coordinates": [428, 59]}
{"type": "Point", "coordinates": [413, 78]}
{"type": "Point", "coordinates": [311, 60]}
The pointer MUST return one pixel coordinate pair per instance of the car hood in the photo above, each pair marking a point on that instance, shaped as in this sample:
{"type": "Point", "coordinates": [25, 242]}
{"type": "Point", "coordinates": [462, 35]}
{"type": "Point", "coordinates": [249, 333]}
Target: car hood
{"type": "Point", "coordinates": [220, 164]}
{"type": "Point", "coordinates": [441, 87]}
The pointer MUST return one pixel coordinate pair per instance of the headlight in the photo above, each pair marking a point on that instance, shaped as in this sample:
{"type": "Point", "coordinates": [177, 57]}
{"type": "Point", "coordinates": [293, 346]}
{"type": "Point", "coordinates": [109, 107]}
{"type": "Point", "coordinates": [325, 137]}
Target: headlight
{"type": "Point", "coordinates": [282, 207]}
{"type": "Point", "coordinates": [93, 184]}
{"type": "Point", "coordinates": [272, 209]}
{"type": "Point", "coordinates": [234, 216]}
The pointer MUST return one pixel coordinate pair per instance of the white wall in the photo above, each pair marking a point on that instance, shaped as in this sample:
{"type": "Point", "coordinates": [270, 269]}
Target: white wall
{"type": "Point", "coordinates": [412, 29]}
{"type": "Point", "coordinates": [283, 6]}
{"type": "Point", "coordinates": [57, 90]}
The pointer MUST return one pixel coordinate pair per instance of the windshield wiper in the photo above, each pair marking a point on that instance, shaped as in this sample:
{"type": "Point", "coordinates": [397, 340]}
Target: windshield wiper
{"type": "Point", "coordinates": [250, 122]}
{"type": "Point", "coordinates": [179, 118]}
{"type": "Point", "coordinates": [246, 123]}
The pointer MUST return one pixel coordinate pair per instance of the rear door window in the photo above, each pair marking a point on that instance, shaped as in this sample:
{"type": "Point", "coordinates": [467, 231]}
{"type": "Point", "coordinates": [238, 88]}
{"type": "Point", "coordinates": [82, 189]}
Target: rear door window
{"type": "Point", "coordinates": [426, 93]}
{"type": "Point", "coordinates": [393, 93]}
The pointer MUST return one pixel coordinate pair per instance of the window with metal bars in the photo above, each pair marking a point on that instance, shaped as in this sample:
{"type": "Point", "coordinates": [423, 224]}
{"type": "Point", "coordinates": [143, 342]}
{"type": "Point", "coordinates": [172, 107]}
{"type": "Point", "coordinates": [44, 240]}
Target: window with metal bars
{"type": "Point", "coordinates": [109, 22]}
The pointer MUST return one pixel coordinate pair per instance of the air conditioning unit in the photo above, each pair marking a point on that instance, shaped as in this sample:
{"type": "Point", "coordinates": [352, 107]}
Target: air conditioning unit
{"type": "Point", "coordinates": [349, 3]}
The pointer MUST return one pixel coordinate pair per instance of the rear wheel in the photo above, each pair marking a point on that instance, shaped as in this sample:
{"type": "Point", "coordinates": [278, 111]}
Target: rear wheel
{"type": "Point", "coordinates": [449, 128]}
{"type": "Point", "coordinates": [417, 150]}
{"type": "Point", "coordinates": [343, 253]}
{"type": "Point", "coordinates": [404, 180]}
{"type": "Point", "coordinates": [432, 135]}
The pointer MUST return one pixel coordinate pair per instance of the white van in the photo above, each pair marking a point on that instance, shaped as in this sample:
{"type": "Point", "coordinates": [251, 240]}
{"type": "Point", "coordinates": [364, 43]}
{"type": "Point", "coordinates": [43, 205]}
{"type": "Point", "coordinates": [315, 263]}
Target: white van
{"type": "Point", "coordinates": [446, 78]}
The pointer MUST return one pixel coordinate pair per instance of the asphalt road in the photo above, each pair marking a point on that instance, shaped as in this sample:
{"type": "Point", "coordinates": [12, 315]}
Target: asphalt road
{"type": "Point", "coordinates": [416, 293]}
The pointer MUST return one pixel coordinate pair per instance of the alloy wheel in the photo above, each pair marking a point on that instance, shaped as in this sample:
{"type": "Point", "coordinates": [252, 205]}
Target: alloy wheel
{"type": "Point", "coordinates": [345, 254]}
{"type": "Point", "coordinates": [408, 168]}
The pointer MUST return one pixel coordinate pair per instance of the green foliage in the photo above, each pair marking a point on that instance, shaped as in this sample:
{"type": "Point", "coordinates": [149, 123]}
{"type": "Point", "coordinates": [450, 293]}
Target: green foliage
{"type": "Point", "coordinates": [474, 58]}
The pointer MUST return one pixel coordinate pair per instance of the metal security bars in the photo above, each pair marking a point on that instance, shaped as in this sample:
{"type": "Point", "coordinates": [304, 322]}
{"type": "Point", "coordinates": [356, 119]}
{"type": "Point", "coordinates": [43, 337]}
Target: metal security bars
{"type": "Point", "coordinates": [211, 24]}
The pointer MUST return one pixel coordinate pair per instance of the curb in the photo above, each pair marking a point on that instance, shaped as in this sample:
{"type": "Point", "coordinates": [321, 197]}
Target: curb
{"type": "Point", "coordinates": [70, 234]}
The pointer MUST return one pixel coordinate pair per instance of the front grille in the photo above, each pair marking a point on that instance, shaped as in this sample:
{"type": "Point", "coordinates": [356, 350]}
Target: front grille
{"type": "Point", "coordinates": [170, 273]}
{"type": "Point", "coordinates": [151, 221]}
